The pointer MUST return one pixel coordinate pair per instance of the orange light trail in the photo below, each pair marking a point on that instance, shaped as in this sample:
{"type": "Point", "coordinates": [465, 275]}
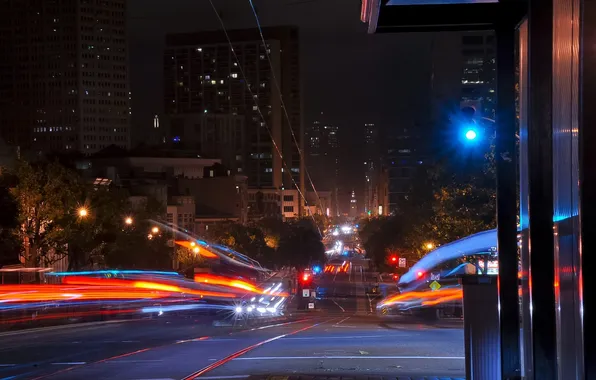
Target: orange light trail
{"type": "Point", "coordinates": [203, 251]}
{"type": "Point", "coordinates": [428, 298]}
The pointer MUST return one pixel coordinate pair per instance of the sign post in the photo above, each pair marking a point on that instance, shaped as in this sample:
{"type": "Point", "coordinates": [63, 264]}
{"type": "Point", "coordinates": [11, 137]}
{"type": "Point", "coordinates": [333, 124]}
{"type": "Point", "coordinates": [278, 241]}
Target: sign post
{"type": "Point", "coordinates": [402, 262]}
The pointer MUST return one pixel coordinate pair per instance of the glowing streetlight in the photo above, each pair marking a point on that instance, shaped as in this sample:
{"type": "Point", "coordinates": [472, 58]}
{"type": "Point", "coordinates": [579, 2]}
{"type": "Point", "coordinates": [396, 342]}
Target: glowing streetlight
{"type": "Point", "coordinates": [128, 220]}
{"type": "Point", "coordinates": [429, 245]}
{"type": "Point", "coordinates": [192, 243]}
{"type": "Point", "coordinates": [195, 249]}
{"type": "Point", "coordinates": [83, 212]}
{"type": "Point", "coordinates": [155, 230]}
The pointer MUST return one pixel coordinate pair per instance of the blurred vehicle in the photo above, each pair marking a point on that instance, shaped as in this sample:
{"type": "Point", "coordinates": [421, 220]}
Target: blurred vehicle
{"type": "Point", "coordinates": [431, 287]}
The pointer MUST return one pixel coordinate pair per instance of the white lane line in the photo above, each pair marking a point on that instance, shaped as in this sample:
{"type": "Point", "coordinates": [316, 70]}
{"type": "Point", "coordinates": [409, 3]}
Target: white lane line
{"type": "Point", "coordinates": [7, 365]}
{"type": "Point", "coordinates": [225, 377]}
{"type": "Point", "coordinates": [69, 363]}
{"type": "Point", "coordinates": [342, 321]}
{"type": "Point", "coordinates": [338, 305]}
{"type": "Point", "coordinates": [130, 341]}
{"type": "Point", "coordinates": [349, 357]}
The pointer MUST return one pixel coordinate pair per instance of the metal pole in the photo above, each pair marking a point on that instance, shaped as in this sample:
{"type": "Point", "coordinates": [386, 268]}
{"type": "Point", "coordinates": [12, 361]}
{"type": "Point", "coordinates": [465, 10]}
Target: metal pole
{"type": "Point", "coordinates": [506, 162]}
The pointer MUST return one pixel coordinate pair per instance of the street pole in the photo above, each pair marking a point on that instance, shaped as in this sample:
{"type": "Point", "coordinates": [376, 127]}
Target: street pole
{"type": "Point", "coordinates": [506, 165]}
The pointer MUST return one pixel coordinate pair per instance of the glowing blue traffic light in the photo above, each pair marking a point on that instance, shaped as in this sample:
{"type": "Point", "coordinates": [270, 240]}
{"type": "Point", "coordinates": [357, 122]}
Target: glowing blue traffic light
{"type": "Point", "coordinates": [471, 134]}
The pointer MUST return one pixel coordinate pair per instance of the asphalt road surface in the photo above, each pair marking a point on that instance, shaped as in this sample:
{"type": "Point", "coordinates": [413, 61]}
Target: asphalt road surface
{"type": "Point", "coordinates": [339, 338]}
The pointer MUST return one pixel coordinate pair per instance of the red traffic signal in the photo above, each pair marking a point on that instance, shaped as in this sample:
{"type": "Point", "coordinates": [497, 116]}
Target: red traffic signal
{"type": "Point", "coordinates": [419, 274]}
{"type": "Point", "coordinates": [393, 259]}
{"type": "Point", "coordinates": [306, 278]}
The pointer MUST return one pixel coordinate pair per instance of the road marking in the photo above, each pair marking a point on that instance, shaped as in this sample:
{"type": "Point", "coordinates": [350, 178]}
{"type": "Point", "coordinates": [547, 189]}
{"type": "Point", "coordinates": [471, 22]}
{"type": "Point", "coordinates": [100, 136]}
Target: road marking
{"type": "Point", "coordinates": [348, 357]}
{"type": "Point", "coordinates": [225, 377]}
{"type": "Point", "coordinates": [69, 363]}
{"type": "Point", "coordinates": [338, 305]}
{"type": "Point", "coordinates": [130, 341]}
{"type": "Point", "coordinates": [339, 337]}
{"type": "Point", "coordinates": [7, 365]}
{"type": "Point", "coordinates": [342, 321]}
{"type": "Point", "coordinates": [243, 351]}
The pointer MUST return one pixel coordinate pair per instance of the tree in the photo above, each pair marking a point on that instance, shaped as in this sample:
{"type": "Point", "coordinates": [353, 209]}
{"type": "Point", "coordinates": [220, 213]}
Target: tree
{"type": "Point", "coordinates": [9, 222]}
{"type": "Point", "coordinates": [248, 240]}
{"type": "Point", "coordinates": [445, 204]}
{"type": "Point", "coordinates": [300, 245]}
{"type": "Point", "coordinates": [63, 215]}
{"type": "Point", "coordinates": [135, 246]}
{"type": "Point", "coordinates": [45, 194]}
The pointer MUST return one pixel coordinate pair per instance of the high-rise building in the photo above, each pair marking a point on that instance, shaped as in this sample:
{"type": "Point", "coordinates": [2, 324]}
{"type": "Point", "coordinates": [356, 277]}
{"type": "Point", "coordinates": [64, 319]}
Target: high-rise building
{"type": "Point", "coordinates": [323, 158]}
{"type": "Point", "coordinates": [353, 211]}
{"type": "Point", "coordinates": [372, 165]}
{"type": "Point", "coordinates": [64, 81]}
{"type": "Point", "coordinates": [478, 82]}
{"type": "Point", "coordinates": [203, 76]}
{"type": "Point", "coordinates": [403, 155]}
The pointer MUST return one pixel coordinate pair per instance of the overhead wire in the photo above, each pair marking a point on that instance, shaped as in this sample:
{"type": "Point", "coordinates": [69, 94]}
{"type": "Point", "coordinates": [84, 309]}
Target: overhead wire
{"type": "Point", "coordinates": [283, 105]}
{"type": "Point", "coordinates": [256, 102]}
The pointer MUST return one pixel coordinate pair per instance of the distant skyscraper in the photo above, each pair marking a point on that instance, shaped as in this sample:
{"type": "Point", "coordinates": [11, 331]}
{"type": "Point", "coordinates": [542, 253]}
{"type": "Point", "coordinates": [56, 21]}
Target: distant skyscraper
{"type": "Point", "coordinates": [479, 73]}
{"type": "Point", "coordinates": [323, 157]}
{"type": "Point", "coordinates": [353, 212]}
{"type": "Point", "coordinates": [203, 77]}
{"type": "Point", "coordinates": [64, 81]}
{"type": "Point", "coordinates": [372, 166]}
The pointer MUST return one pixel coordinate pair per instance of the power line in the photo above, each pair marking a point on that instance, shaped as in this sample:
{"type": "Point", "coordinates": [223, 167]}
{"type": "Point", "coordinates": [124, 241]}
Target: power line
{"type": "Point", "coordinates": [283, 105]}
{"type": "Point", "coordinates": [260, 113]}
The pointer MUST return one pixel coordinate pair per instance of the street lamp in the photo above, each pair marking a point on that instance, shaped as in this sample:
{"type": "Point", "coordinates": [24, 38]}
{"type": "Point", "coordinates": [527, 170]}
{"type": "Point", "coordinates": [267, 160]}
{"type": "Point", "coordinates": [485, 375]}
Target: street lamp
{"type": "Point", "coordinates": [196, 250]}
{"type": "Point", "coordinates": [128, 220]}
{"type": "Point", "coordinates": [429, 246]}
{"type": "Point", "coordinates": [192, 243]}
{"type": "Point", "coordinates": [155, 230]}
{"type": "Point", "coordinates": [83, 212]}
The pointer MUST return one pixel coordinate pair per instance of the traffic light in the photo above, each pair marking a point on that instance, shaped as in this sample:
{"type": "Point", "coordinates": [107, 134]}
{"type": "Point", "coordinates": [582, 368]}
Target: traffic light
{"type": "Point", "coordinates": [471, 134]}
{"type": "Point", "coordinates": [393, 259]}
{"type": "Point", "coordinates": [306, 279]}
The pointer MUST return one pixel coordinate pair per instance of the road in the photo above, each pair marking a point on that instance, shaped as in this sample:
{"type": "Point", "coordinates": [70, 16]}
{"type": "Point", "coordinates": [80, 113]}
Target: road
{"type": "Point", "coordinates": [339, 338]}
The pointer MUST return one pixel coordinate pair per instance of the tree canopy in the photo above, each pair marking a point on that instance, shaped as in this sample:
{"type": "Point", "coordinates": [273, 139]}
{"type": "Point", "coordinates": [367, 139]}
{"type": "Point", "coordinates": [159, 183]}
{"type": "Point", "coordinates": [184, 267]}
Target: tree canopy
{"type": "Point", "coordinates": [60, 214]}
{"type": "Point", "coordinates": [446, 203]}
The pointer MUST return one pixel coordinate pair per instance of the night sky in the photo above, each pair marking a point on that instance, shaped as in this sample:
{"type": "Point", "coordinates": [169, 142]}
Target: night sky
{"type": "Point", "coordinates": [352, 76]}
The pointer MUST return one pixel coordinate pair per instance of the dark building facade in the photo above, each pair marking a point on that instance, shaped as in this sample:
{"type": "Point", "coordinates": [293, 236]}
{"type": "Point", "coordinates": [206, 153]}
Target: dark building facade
{"type": "Point", "coordinates": [64, 81]}
{"type": "Point", "coordinates": [203, 76]}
